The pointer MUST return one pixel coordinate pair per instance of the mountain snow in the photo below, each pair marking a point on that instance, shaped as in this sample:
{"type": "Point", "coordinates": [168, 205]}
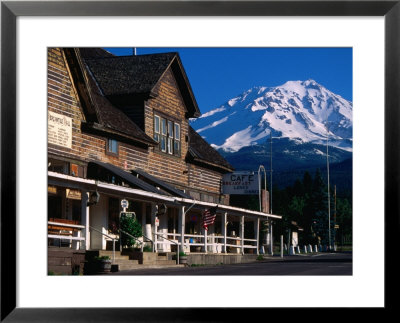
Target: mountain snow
{"type": "Point", "coordinates": [298, 110]}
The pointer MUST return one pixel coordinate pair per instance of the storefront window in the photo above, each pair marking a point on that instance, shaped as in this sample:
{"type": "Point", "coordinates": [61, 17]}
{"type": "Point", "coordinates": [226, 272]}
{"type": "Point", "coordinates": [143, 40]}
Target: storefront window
{"type": "Point", "coordinates": [54, 207]}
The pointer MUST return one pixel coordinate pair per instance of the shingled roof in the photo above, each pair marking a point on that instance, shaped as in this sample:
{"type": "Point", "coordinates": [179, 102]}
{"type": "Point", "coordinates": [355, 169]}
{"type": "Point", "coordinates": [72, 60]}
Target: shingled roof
{"type": "Point", "coordinates": [91, 53]}
{"type": "Point", "coordinates": [138, 75]}
{"type": "Point", "coordinates": [129, 74]}
{"type": "Point", "coordinates": [201, 152]}
{"type": "Point", "coordinates": [112, 118]}
{"type": "Point", "coordinates": [101, 114]}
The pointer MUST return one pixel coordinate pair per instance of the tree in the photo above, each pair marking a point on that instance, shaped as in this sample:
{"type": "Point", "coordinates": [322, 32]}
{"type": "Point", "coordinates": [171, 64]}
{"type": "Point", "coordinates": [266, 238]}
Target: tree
{"type": "Point", "coordinates": [319, 210]}
{"type": "Point", "coordinates": [131, 226]}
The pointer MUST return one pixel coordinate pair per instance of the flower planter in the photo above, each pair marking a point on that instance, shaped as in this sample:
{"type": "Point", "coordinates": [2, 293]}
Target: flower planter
{"type": "Point", "coordinates": [104, 266]}
{"type": "Point", "coordinates": [183, 260]}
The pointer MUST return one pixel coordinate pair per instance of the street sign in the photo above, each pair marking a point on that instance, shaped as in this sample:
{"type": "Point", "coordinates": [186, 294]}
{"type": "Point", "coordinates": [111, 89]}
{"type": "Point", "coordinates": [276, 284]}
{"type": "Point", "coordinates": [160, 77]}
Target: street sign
{"type": "Point", "coordinates": [336, 226]}
{"type": "Point", "coordinates": [128, 214]}
{"type": "Point", "coordinates": [124, 203]}
{"type": "Point", "coordinates": [157, 222]}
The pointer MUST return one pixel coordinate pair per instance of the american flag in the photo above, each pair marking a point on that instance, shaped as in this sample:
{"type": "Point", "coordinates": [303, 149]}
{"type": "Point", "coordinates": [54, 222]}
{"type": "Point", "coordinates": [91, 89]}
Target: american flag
{"type": "Point", "coordinates": [209, 216]}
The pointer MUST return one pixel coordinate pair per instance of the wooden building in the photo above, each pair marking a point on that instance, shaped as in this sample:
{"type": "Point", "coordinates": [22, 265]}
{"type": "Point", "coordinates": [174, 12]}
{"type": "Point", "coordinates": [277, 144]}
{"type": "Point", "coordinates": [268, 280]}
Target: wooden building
{"type": "Point", "coordinates": [118, 128]}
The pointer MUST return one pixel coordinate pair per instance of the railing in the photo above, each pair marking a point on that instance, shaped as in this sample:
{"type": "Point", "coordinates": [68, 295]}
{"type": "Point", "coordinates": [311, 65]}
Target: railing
{"type": "Point", "coordinates": [174, 242]}
{"type": "Point", "coordinates": [199, 241]}
{"type": "Point", "coordinates": [59, 226]}
{"type": "Point", "coordinates": [106, 235]}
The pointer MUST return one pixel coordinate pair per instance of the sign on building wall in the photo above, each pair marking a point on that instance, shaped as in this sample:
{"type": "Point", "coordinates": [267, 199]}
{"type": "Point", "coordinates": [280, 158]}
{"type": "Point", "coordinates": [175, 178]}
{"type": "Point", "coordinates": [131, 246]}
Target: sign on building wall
{"type": "Point", "coordinates": [240, 183]}
{"type": "Point", "coordinates": [59, 129]}
{"type": "Point", "coordinates": [73, 194]}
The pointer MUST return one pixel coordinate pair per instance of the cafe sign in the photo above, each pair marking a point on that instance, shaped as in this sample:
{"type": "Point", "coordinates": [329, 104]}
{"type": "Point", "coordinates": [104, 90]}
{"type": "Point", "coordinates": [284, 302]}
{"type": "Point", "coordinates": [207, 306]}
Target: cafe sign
{"type": "Point", "coordinates": [243, 183]}
{"type": "Point", "coordinates": [59, 129]}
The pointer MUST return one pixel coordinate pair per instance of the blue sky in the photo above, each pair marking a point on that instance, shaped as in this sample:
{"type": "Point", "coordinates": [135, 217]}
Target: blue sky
{"type": "Point", "coordinates": [219, 74]}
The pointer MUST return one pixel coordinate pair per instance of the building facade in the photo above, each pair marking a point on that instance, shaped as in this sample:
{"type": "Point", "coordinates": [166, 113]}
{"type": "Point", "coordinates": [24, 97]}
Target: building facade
{"type": "Point", "coordinates": [118, 129]}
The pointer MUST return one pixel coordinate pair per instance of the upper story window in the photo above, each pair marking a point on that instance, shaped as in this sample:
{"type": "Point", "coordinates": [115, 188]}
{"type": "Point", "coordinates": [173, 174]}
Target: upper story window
{"type": "Point", "coordinates": [168, 134]}
{"type": "Point", "coordinates": [112, 146]}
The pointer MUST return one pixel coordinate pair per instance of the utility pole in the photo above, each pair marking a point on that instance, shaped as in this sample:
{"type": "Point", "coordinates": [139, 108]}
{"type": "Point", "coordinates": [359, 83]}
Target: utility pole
{"type": "Point", "coordinates": [270, 202]}
{"type": "Point", "coordinates": [329, 198]}
{"type": "Point", "coordinates": [334, 222]}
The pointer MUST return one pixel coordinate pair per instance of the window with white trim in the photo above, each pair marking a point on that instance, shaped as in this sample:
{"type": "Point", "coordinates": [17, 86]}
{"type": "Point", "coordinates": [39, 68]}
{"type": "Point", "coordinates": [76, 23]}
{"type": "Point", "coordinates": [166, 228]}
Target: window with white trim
{"type": "Point", "coordinates": [177, 138]}
{"type": "Point", "coordinates": [168, 135]}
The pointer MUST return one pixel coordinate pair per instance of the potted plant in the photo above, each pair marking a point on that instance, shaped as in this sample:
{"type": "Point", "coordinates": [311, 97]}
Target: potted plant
{"type": "Point", "coordinates": [103, 264]}
{"type": "Point", "coordinates": [182, 258]}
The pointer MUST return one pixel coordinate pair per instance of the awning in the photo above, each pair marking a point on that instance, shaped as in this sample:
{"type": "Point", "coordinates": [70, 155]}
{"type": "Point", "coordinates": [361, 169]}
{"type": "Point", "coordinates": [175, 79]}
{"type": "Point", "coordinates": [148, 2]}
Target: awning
{"type": "Point", "coordinates": [90, 184]}
{"type": "Point", "coordinates": [157, 182]}
{"type": "Point", "coordinates": [95, 171]}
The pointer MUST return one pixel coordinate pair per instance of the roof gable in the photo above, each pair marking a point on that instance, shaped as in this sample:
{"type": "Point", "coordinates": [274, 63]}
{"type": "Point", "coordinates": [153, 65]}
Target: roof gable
{"type": "Point", "coordinates": [103, 116]}
{"type": "Point", "coordinates": [139, 75]}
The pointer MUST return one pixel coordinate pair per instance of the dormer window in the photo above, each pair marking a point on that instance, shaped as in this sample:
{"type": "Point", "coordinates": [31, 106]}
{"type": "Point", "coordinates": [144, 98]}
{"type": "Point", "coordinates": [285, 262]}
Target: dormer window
{"type": "Point", "coordinates": [112, 147]}
{"type": "Point", "coordinates": [168, 134]}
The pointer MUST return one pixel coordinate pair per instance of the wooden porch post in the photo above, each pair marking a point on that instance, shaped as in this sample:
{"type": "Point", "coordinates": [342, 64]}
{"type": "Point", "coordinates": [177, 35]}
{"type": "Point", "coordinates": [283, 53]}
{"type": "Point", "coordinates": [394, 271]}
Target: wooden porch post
{"type": "Point", "coordinates": [257, 232]}
{"type": "Point", "coordinates": [153, 225]}
{"type": "Point", "coordinates": [181, 227]}
{"type": "Point", "coordinates": [224, 225]}
{"type": "Point", "coordinates": [85, 219]}
{"type": "Point", "coordinates": [242, 233]}
{"type": "Point", "coordinates": [205, 240]}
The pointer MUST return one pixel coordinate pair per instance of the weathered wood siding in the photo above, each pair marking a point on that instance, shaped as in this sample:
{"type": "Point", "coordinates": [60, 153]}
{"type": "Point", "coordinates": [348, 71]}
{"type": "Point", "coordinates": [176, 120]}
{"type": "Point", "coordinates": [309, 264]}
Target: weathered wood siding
{"type": "Point", "coordinates": [63, 99]}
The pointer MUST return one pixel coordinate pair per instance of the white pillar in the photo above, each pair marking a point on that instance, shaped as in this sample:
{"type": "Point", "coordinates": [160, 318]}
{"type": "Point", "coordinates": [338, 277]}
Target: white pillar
{"type": "Point", "coordinates": [242, 233]}
{"type": "Point", "coordinates": [205, 240]}
{"type": "Point", "coordinates": [271, 243]}
{"type": "Point", "coordinates": [257, 231]}
{"type": "Point", "coordinates": [144, 219]}
{"type": "Point", "coordinates": [281, 246]}
{"type": "Point", "coordinates": [224, 225]}
{"type": "Point", "coordinates": [181, 227]}
{"type": "Point", "coordinates": [153, 225]}
{"type": "Point", "coordinates": [85, 220]}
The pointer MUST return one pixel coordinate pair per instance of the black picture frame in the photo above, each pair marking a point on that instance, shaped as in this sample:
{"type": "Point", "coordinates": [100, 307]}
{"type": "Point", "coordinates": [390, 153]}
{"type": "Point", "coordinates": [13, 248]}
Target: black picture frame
{"type": "Point", "coordinates": [10, 10]}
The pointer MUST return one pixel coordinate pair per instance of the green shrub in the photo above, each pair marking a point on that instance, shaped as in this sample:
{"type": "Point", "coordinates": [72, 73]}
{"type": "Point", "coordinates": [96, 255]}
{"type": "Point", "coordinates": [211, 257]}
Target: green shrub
{"type": "Point", "coordinates": [102, 258]}
{"type": "Point", "coordinates": [260, 257]}
{"type": "Point", "coordinates": [182, 254]}
{"type": "Point", "coordinates": [147, 249]}
{"type": "Point", "coordinates": [131, 226]}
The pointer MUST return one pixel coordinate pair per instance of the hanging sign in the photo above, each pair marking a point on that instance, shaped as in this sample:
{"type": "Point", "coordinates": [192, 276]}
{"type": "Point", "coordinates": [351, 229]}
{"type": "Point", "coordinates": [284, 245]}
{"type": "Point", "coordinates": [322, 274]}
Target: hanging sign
{"type": "Point", "coordinates": [73, 194]}
{"type": "Point", "coordinates": [124, 204]}
{"type": "Point", "coordinates": [245, 183]}
{"type": "Point", "coordinates": [52, 189]}
{"type": "Point", "coordinates": [128, 214]}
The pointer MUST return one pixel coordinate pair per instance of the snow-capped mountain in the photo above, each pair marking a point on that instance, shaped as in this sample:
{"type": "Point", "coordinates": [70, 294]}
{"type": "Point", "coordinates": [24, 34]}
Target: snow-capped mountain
{"type": "Point", "coordinates": [297, 110]}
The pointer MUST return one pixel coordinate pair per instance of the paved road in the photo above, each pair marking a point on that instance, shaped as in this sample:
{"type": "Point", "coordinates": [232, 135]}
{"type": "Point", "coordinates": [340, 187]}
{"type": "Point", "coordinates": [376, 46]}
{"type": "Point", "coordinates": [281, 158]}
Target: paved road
{"type": "Point", "coordinates": [320, 264]}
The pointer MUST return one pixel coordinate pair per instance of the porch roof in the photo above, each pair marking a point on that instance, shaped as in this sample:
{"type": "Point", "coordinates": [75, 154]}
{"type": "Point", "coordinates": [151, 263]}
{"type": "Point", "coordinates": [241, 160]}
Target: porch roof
{"type": "Point", "coordinates": [126, 192]}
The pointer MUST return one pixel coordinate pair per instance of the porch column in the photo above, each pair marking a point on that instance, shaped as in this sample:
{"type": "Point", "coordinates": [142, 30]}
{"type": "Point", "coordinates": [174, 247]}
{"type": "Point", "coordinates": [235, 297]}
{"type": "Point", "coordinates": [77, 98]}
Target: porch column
{"type": "Point", "coordinates": [257, 232]}
{"type": "Point", "coordinates": [224, 225]}
{"type": "Point", "coordinates": [271, 243]}
{"type": "Point", "coordinates": [144, 219]}
{"type": "Point", "coordinates": [242, 233]}
{"type": "Point", "coordinates": [181, 227]}
{"type": "Point", "coordinates": [85, 220]}
{"type": "Point", "coordinates": [153, 225]}
{"type": "Point", "coordinates": [205, 240]}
